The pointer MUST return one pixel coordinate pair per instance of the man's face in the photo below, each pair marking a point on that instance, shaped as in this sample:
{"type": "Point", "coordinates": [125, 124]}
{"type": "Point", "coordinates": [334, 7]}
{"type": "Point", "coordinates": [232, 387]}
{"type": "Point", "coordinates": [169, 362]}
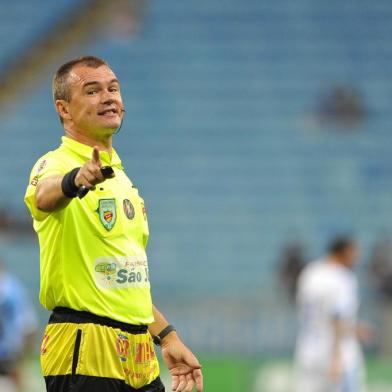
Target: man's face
{"type": "Point", "coordinates": [95, 105]}
{"type": "Point", "coordinates": [351, 254]}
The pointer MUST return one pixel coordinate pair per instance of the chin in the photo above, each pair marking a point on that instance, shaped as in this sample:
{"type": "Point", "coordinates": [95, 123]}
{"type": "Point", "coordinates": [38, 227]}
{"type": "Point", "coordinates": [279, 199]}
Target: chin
{"type": "Point", "coordinates": [112, 126]}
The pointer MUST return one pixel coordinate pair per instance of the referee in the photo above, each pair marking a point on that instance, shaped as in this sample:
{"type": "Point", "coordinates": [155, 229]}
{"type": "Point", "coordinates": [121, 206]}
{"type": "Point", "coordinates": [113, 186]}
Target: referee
{"type": "Point", "coordinates": [93, 231]}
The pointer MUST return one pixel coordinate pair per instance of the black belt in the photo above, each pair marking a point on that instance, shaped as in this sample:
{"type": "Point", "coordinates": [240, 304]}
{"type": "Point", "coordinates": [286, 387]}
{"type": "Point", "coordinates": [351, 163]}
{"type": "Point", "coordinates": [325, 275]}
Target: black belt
{"type": "Point", "coordinates": [67, 315]}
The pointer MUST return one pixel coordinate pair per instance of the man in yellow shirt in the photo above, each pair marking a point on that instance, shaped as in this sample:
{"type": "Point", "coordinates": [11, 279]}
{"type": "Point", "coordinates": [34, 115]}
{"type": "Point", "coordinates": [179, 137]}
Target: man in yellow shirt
{"type": "Point", "coordinates": [93, 231]}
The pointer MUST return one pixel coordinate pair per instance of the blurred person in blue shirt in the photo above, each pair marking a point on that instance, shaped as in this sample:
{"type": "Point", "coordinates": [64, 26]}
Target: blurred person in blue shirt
{"type": "Point", "coordinates": [18, 325]}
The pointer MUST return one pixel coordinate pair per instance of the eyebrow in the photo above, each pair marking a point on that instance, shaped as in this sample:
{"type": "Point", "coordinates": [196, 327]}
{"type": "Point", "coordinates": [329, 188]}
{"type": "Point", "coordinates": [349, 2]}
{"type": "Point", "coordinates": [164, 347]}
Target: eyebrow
{"type": "Point", "coordinates": [96, 82]}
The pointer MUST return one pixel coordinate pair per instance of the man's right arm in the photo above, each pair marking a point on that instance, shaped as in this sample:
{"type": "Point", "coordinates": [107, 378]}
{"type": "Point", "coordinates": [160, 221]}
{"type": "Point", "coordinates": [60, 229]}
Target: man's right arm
{"type": "Point", "coordinates": [336, 366]}
{"type": "Point", "coordinates": [49, 195]}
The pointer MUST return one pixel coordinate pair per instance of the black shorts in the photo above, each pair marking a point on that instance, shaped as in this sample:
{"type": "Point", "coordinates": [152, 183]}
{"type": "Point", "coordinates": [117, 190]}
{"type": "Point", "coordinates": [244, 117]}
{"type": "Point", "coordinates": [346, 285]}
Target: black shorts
{"type": "Point", "coordinates": [78, 383]}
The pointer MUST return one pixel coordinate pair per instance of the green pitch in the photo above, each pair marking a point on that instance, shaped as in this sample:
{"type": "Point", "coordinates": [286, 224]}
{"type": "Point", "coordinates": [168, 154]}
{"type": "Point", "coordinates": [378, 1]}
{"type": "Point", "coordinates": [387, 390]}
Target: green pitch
{"type": "Point", "coordinates": [236, 374]}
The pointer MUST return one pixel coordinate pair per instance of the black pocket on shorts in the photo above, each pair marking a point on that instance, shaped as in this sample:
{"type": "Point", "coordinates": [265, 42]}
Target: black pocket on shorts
{"type": "Point", "coordinates": [75, 357]}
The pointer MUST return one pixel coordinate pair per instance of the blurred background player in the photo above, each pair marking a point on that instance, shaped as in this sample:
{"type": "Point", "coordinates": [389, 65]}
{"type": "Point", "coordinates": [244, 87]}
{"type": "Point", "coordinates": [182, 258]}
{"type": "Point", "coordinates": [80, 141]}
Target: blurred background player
{"type": "Point", "coordinates": [328, 354]}
{"type": "Point", "coordinates": [18, 325]}
{"type": "Point", "coordinates": [292, 261]}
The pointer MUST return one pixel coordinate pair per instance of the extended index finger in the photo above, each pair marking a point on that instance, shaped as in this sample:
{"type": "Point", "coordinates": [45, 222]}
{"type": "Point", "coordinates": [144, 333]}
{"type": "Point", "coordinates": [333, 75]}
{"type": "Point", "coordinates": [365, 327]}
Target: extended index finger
{"type": "Point", "coordinates": [96, 159]}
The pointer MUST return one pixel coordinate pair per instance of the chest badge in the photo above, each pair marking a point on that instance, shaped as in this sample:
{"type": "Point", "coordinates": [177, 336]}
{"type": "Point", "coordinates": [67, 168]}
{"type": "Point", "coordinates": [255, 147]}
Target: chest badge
{"type": "Point", "coordinates": [129, 211]}
{"type": "Point", "coordinates": [107, 213]}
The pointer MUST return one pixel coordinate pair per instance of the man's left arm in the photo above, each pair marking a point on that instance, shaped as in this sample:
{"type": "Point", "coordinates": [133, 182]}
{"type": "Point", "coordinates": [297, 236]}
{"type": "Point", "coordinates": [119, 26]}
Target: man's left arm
{"type": "Point", "coordinates": [365, 332]}
{"type": "Point", "coordinates": [183, 366]}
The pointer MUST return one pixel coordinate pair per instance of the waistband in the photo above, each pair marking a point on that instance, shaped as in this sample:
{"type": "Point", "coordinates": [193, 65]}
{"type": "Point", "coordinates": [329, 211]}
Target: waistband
{"type": "Point", "coordinates": [67, 315]}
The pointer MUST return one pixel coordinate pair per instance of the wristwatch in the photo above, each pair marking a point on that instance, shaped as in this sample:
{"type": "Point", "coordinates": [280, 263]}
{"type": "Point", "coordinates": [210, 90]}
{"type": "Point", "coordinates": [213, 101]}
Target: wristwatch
{"type": "Point", "coordinates": [157, 339]}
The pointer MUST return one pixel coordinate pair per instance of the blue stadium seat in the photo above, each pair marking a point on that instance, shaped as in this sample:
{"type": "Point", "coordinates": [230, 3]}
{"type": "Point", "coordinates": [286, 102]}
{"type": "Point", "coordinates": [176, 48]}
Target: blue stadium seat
{"type": "Point", "coordinates": [218, 97]}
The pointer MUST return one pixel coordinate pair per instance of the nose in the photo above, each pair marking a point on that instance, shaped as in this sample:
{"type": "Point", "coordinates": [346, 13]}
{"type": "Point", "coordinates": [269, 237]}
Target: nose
{"type": "Point", "coordinates": [107, 98]}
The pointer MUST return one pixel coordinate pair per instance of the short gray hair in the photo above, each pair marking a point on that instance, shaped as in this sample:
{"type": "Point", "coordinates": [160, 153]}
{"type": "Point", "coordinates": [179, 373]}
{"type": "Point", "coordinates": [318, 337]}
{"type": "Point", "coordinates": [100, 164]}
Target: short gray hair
{"type": "Point", "coordinates": [60, 86]}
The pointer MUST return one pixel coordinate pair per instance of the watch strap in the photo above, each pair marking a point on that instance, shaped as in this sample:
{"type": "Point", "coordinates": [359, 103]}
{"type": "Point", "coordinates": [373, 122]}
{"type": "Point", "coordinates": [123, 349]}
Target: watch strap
{"type": "Point", "coordinates": [157, 339]}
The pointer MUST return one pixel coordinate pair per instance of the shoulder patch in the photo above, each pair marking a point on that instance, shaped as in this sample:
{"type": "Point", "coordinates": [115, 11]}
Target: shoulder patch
{"type": "Point", "coordinates": [129, 211]}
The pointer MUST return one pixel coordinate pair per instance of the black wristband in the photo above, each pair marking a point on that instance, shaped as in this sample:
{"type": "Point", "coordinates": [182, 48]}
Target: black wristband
{"type": "Point", "coordinates": [68, 183]}
{"type": "Point", "coordinates": [158, 338]}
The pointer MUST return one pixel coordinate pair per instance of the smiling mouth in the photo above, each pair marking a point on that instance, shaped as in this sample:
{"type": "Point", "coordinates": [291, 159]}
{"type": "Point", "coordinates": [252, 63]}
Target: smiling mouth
{"type": "Point", "coordinates": [109, 112]}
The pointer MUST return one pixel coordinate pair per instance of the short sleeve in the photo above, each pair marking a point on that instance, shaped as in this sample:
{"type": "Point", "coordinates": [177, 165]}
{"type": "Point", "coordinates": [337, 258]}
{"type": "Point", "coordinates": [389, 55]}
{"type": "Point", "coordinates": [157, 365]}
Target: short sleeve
{"type": "Point", "coordinates": [47, 166]}
{"type": "Point", "coordinates": [342, 301]}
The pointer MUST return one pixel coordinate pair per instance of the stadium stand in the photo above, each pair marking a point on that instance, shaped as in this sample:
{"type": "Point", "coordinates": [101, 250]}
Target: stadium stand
{"type": "Point", "coordinates": [22, 21]}
{"type": "Point", "coordinates": [220, 99]}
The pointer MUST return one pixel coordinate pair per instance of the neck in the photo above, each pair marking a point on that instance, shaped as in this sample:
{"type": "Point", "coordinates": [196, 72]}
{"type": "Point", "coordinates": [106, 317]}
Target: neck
{"type": "Point", "coordinates": [103, 143]}
{"type": "Point", "coordinates": [336, 260]}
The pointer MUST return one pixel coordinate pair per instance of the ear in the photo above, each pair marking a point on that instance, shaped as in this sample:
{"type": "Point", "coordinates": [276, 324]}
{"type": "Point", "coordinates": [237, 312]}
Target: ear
{"type": "Point", "coordinates": [62, 109]}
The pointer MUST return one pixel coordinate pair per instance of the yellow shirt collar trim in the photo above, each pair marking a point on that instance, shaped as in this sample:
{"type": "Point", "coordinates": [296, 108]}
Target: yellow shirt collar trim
{"type": "Point", "coordinates": [86, 152]}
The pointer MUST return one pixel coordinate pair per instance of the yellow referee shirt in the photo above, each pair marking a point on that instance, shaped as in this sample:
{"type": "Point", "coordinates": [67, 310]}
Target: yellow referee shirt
{"type": "Point", "coordinates": [93, 251]}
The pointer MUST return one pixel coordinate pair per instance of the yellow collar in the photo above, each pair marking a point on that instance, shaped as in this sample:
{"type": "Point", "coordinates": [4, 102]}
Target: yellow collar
{"type": "Point", "coordinates": [87, 151]}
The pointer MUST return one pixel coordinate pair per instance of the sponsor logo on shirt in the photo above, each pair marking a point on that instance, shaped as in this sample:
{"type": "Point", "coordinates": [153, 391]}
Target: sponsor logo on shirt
{"type": "Point", "coordinates": [118, 272]}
